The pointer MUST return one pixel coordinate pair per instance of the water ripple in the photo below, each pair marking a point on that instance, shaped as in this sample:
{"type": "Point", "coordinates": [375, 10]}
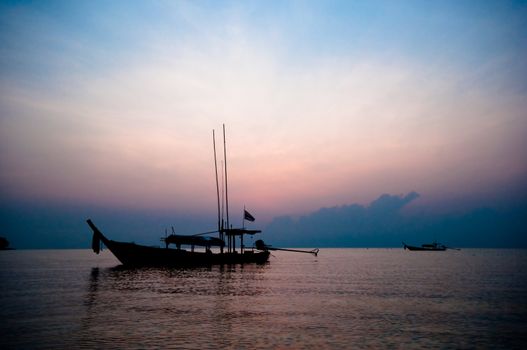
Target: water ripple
{"type": "Point", "coordinates": [345, 298]}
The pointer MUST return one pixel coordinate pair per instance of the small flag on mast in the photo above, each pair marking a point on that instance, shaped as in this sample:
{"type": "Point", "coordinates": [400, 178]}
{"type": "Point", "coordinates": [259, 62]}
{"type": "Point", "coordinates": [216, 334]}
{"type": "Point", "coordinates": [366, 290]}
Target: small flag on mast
{"type": "Point", "coordinates": [248, 216]}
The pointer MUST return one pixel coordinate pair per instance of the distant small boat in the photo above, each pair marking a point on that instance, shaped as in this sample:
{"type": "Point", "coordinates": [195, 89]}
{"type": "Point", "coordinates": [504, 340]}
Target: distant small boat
{"type": "Point", "coordinates": [428, 247]}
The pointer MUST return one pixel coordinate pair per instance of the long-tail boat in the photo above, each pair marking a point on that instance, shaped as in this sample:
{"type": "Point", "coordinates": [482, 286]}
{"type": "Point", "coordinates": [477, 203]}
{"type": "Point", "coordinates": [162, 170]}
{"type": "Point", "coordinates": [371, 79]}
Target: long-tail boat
{"type": "Point", "coordinates": [131, 254]}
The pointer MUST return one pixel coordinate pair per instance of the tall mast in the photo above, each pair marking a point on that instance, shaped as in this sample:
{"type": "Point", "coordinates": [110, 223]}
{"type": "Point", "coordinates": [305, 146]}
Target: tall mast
{"type": "Point", "coordinates": [223, 207]}
{"type": "Point", "coordinates": [226, 190]}
{"type": "Point", "coordinates": [217, 184]}
{"type": "Point", "coordinates": [222, 196]}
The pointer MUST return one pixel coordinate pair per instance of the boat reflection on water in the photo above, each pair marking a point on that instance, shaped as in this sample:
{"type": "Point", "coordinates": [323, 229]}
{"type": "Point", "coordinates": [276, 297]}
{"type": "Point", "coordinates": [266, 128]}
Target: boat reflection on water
{"type": "Point", "coordinates": [143, 307]}
{"type": "Point", "coordinates": [371, 298]}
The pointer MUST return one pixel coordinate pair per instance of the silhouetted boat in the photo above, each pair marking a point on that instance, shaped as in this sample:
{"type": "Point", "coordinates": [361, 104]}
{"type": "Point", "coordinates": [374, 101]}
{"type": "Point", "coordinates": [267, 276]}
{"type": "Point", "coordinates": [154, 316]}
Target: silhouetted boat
{"type": "Point", "coordinates": [427, 247]}
{"type": "Point", "coordinates": [132, 254]}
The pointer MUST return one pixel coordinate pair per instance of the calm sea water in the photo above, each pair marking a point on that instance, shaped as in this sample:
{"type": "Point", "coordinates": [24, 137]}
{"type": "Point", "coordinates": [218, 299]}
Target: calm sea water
{"type": "Point", "coordinates": [344, 298]}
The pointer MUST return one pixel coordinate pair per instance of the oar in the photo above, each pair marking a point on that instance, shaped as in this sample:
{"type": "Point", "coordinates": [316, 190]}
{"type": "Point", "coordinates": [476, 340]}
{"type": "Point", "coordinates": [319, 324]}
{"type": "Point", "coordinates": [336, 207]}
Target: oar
{"type": "Point", "coordinates": [313, 251]}
{"type": "Point", "coordinates": [262, 246]}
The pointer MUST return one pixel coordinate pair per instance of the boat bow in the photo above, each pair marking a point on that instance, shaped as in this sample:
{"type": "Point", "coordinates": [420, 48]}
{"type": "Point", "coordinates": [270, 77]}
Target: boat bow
{"type": "Point", "coordinates": [97, 238]}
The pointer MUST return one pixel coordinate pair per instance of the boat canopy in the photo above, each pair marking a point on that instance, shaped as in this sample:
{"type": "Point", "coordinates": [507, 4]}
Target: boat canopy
{"type": "Point", "coordinates": [240, 232]}
{"type": "Point", "coordinates": [194, 240]}
{"type": "Point", "coordinates": [432, 245]}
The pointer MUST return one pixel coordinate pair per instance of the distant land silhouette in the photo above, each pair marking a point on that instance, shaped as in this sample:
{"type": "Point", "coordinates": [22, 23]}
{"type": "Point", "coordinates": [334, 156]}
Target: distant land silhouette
{"type": "Point", "coordinates": [385, 222]}
{"type": "Point", "coordinates": [4, 243]}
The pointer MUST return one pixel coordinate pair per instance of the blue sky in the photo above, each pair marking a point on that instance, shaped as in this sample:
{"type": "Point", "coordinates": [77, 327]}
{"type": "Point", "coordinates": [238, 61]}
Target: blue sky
{"type": "Point", "coordinates": [111, 104]}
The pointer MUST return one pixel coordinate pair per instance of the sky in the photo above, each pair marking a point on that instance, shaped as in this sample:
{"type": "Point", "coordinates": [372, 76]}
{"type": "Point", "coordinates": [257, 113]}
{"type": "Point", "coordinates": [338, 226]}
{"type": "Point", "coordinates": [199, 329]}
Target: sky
{"type": "Point", "coordinates": [108, 107]}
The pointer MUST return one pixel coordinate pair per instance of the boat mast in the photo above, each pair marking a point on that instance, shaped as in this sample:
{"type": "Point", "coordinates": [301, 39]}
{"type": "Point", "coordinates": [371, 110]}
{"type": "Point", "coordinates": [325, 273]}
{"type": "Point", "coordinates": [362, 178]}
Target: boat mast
{"type": "Point", "coordinates": [226, 189]}
{"type": "Point", "coordinates": [222, 197]}
{"type": "Point", "coordinates": [217, 185]}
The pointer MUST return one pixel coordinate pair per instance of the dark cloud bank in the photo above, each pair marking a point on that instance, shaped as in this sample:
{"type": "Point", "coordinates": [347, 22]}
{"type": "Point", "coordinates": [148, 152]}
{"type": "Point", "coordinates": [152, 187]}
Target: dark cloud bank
{"type": "Point", "coordinates": [385, 222]}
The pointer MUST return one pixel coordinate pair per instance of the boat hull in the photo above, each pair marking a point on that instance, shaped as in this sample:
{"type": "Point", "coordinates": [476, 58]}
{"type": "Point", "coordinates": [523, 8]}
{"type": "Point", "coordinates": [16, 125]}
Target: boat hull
{"type": "Point", "coordinates": [425, 249]}
{"type": "Point", "coordinates": [131, 254]}
{"type": "Point", "coordinates": [421, 249]}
